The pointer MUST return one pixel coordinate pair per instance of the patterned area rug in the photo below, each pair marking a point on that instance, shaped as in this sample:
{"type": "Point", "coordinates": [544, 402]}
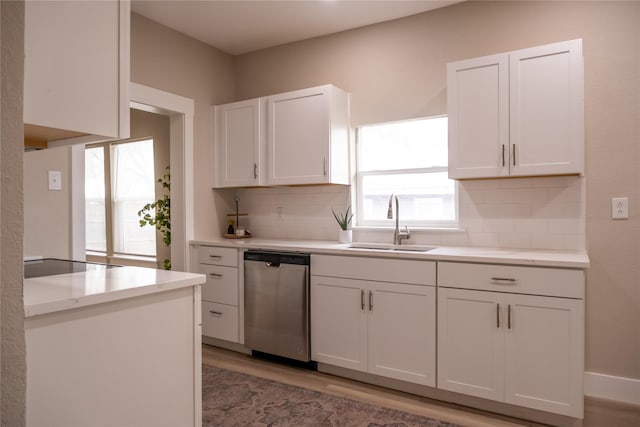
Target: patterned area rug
{"type": "Point", "coordinates": [235, 399]}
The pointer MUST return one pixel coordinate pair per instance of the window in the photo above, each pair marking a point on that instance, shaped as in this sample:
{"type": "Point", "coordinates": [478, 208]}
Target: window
{"type": "Point", "coordinates": [408, 159]}
{"type": "Point", "coordinates": [119, 181]}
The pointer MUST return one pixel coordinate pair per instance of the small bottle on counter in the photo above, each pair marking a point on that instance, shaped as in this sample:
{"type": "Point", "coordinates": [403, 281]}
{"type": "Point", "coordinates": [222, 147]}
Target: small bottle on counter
{"type": "Point", "coordinates": [230, 229]}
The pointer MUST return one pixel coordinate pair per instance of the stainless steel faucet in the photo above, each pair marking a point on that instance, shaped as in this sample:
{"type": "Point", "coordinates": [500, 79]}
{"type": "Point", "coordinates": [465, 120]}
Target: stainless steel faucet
{"type": "Point", "coordinates": [398, 235]}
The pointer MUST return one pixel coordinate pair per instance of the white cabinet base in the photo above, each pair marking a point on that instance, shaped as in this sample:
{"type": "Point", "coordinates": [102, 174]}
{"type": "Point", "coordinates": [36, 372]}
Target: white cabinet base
{"type": "Point", "coordinates": [129, 362]}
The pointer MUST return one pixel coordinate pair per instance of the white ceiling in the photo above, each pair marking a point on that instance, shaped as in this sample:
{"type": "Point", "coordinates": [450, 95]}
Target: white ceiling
{"type": "Point", "coordinates": [241, 26]}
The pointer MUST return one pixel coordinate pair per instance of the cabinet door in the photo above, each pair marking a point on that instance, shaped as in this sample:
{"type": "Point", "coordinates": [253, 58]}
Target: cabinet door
{"type": "Point", "coordinates": [238, 143]}
{"type": "Point", "coordinates": [401, 332]}
{"type": "Point", "coordinates": [76, 74]}
{"type": "Point", "coordinates": [478, 108]}
{"type": "Point", "coordinates": [547, 109]}
{"type": "Point", "coordinates": [544, 353]}
{"type": "Point", "coordinates": [338, 322]}
{"type": "Point", "coordinates": [471, 343]}
{"type": "Point", "coordinates": [298, 137]}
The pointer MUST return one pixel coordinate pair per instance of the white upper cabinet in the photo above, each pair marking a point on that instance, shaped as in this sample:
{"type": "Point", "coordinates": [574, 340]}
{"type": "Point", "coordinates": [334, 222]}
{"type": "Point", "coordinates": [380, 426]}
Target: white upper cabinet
{"type": "Point", "coordinates": [478, 104]}
{"type": "Point", "coordinates": [293, 138]}
{"type": "Point", "coordinates": [517, 114]}
{"type": "Point", "coordinates": [239, 144]}
{"type": "Point", "coordinates": [308, 133]}
{"type": "Point", "coordinates": [547, 109]}
{"type": "Point", "coordinates": [77, 66]}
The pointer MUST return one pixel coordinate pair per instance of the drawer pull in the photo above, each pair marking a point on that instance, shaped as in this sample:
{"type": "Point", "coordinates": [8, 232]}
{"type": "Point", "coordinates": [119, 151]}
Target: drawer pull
{"type": "Point", "coordinates": [215, 313]}
{"type": "Point", "coordinates": [216, 275]}
{"type": "Point", "coordinates": [215, 256]}
{"type": "Point", "coordinates": [504, 281]}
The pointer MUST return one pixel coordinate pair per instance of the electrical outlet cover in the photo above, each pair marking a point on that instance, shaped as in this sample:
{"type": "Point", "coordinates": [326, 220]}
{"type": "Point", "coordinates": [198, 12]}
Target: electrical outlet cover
{"type": "Point", "coordinates": [620, 207]}
{"type": "Point", "coordinates": [55, 180]}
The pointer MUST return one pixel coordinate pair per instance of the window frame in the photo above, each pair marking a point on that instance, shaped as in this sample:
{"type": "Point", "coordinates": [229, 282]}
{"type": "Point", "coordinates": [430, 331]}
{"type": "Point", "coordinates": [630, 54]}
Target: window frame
{"type": "Point", "coordinates": [109, 169]}
{"type": "Point", "coordinates": [390, 223]}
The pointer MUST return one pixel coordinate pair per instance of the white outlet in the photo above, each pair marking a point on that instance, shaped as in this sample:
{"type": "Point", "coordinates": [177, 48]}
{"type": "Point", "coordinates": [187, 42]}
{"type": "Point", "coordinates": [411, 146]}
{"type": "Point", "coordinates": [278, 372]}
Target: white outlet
{"type": "Point", "coordinates": [55, 180]}
{"type": "Point", "coordinates": [620, 207]}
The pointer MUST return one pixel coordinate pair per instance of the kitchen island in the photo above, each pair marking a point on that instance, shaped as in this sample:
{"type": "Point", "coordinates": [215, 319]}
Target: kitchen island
{"type": "Point", "coordinates": [118, 346]}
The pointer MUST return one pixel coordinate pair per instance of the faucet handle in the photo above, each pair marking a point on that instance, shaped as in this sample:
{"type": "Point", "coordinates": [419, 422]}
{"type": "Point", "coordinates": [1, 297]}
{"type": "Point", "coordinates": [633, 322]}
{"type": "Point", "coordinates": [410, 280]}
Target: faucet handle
{"type": "Point", "coordinates": [406, 234]}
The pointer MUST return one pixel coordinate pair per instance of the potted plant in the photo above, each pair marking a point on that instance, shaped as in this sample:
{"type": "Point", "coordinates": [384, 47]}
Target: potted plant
{"type": "Point", "coordinates": [158, 214]}
{"type": "Point", "coordinates": [344, 221]}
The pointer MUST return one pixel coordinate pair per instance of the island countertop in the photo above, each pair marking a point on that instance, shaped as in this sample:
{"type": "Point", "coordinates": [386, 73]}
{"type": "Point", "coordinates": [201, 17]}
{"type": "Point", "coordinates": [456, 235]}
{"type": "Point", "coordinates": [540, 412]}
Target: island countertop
{"type": "Point", "coordinates": [50, 294]}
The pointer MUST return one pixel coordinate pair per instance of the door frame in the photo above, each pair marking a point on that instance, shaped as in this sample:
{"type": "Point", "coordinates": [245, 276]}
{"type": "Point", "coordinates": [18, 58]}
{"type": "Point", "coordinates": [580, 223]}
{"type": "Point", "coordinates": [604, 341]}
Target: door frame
{"type": "Point", "coordinates": [180, 111]}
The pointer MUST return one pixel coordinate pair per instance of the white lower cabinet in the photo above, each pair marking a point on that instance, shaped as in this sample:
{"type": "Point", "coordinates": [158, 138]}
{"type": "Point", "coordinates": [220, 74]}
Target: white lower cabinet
{"type": "Point", "coordinates": [379, 327]}
{"type": "Point", "coordinates": [509, 346]}
{"type": "Point", "coordinates": [220, 293]}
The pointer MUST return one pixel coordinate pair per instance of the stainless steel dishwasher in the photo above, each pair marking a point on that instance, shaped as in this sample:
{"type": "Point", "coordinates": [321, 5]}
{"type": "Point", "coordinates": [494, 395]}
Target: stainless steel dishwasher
{"type": "Point", "coordinates": [276, 304]}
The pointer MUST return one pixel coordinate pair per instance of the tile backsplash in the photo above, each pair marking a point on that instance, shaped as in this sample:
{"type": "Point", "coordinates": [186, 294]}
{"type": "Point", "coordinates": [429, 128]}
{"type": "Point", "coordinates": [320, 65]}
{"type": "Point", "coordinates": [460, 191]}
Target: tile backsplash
{"type": "Point", "coordinates": [529, 213]}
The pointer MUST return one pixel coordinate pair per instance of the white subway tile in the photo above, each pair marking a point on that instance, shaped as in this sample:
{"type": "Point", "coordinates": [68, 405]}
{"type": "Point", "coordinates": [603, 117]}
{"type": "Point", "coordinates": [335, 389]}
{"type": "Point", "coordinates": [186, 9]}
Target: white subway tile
{"type": "Point", "coordinates": [483, 239]}
{"type": "Point", "coordinates": [514, 211]}
{"type": "Point", "coordinates": [547, 241]}
{"type": "Point", "coordinates": [501, 225]}
{"type": "Point", "coordinates": [514, 240]}
{"type": "Point", "coordinates": [499, 196]}
{"type": "Point", "coordinates": [530, 196]}
{"type": "Point", "coordinates": [514, 183]}
{"type": "Point", "coordinates": [454, 239]}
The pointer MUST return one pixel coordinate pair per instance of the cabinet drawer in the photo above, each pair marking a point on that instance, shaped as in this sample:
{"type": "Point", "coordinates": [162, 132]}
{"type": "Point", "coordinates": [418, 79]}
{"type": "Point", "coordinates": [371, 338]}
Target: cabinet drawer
{"type": "Point", "coordinates": [220, 321]}
{"type": "Point", "coordinates": [377, 269]}
{"type": "Point", "coordinates": [521, 280]}
{"type": "Point", "coordinates": [218, 256]}
{"type": "Point", "coordinates": [221, 285]}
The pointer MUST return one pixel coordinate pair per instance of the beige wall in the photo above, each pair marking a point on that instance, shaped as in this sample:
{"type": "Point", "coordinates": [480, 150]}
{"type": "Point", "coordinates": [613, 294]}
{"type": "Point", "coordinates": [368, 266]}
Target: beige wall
{"type": "Point", "coordinates": [12, 350]}
{"type": "Point", "coordinates": [396, 70]}
{"type": "Point", "coordinates": [156, 126]}
{"type": "Point", "coordinates": [165, 59]}
{"type": "Point", "coordinates": [47, 213]}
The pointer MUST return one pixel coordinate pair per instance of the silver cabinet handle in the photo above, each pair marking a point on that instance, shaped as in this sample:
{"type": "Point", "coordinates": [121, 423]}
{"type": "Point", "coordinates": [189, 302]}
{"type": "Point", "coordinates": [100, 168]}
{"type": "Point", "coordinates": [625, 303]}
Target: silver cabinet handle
{"type": "Point", "coordinates": [498, 316]}
{"type": "Point", "coordinates": [361, 299]}
{"type": "Point", "coordinates": [215, 313]}
{"type": "Point", "coordinates": [502, 155]}
{"type": "Point", "coordinates": [504, 281]}
{"type": "Point", "coordinates": [514, 154]}
{"type": "Point", "coordinates": [255, 171]}
{"type": "Point", "coordinates": [216, 275]}
{"type": "Point", "coordinates": [215, 256]}
{"type": "Point", "coordinates": [324, 166]}
{"type": "Point", "coordinates": [509, 316]}
{"type": "Point", "coordinates": [370, 300]}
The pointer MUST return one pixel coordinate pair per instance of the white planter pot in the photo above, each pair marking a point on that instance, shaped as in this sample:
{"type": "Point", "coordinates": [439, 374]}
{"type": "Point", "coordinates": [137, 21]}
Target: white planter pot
{"type": "Point", "coordinates": [344, 236]}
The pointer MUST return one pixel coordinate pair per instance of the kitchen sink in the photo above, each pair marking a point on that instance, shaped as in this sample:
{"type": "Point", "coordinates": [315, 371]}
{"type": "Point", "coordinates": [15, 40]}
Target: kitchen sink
{"type": "Point", "coordinates": [389, 247]}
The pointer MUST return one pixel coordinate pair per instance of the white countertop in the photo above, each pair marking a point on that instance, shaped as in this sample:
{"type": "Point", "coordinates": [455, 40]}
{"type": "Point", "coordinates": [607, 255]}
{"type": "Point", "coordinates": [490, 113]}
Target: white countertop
{"type": "Point", "coordinates": [531, 257]}
{"type": "Point", "coordinates": [50, 294]}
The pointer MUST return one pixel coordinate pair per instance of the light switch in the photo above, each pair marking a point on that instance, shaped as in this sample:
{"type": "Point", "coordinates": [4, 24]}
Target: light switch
{"type": "Point", "coordinates": [620, 208]}
{"type": "Point", "coordinates": [55, 180]}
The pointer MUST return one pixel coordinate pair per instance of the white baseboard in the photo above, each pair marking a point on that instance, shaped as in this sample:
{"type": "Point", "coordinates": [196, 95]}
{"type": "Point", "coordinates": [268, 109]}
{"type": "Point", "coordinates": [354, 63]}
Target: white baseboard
{"type": "Point", "coordinates": [620, 389]}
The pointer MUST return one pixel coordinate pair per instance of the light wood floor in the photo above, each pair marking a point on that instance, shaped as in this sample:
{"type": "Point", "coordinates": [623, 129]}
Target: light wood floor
{"type": "Point", "coordinates": [598, 413]}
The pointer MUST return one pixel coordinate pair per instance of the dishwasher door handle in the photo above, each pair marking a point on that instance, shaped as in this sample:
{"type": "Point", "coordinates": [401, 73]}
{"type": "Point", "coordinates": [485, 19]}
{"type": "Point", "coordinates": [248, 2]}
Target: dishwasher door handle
{"type": "Point", "coordinates": [272, 264]}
